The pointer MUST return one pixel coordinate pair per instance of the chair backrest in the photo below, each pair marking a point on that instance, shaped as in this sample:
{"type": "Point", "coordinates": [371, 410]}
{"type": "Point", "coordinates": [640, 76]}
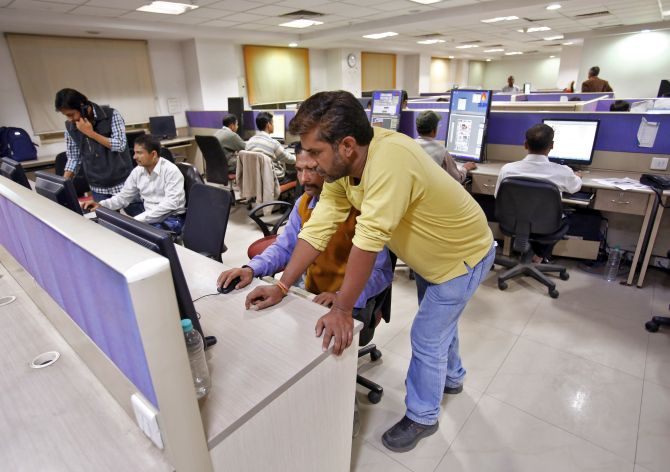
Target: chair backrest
{"type": "Point", "coordinates": [368, 315]}
{"type": "Point", "coordinates": [165, 153]}
{"type": "Point", "coordinates": [216, 164]}
{"type": "Point", "coordinates": [207, 220]}
{"type": "Point", "coordinates": [79, 181]}
{"type": "Point", "coordinates": [526, 206]}
{"type": "Point", "coordinates": [260, 245]}
{"type": "Point", "coordinates": [191, 176]}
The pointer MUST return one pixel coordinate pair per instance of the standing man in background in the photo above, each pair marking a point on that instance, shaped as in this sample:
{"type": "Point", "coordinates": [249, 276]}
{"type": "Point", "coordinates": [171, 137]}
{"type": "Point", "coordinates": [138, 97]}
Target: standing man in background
{"type": "Point", "coordinates": [510, 87]}
{"type": "Point", "coordinates": [595, 83]}
{"type": "Point", "coordinates": [230, 141]}
{"type": "Point", "coordinates": [95, 137]}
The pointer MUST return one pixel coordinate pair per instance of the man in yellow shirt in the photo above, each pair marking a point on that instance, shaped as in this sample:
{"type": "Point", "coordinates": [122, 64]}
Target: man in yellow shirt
{"type": "Point", "coordinates": [422, 214]}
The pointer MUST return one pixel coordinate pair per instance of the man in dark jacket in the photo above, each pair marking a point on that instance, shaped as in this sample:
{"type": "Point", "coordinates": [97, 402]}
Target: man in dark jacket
{"type": "Point", "coordinates": [595, 83]}
{"type": "Point", "coordinates": [95, 137]}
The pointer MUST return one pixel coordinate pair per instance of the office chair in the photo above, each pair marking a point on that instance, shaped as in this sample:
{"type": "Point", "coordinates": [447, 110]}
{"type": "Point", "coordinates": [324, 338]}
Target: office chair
{"type": "Point", "coordinates": [131, 136]}
{"type": "Point", "coordinates": [207, 220]}
{"type": "Point", "coordinates": [368, 316]}
{"type": "Point", "coordinates": [79, 180]}
{"type": "Point", "coordinates": [216, 164]}
{"type": "Point", "coordinates": [165, 153]}
{"type": "Point", "coordinates": [191, 176]}
{"type": "Point", "coordinates": [271, 227]}
{"type": "Point", "coordinates": [530, 210]}
{"type": "Point", "coordinates": [657, 321]}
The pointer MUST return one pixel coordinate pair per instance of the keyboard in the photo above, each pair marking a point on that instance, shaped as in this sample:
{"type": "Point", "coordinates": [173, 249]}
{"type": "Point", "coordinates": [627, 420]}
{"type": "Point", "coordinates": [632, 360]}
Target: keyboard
{"type": "Point", "coordinates": [584, 196]}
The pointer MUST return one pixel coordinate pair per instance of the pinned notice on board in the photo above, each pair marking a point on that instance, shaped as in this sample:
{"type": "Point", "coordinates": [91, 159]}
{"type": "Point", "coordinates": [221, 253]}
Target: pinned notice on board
{"type": "Point", "coordinates": [646, 133]}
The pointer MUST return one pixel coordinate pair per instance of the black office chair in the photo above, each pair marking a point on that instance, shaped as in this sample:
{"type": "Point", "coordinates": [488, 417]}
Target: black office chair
{"type": "Point", "coordinates": [191, 176]}
{"type": "Point", "coordinates": [216, 164]}
{"type": "Point", "coordinates": [657, 321]}
{"type": "Point", "coordinates": [79, 180]}
{"type": "Point", "coordinates": [165, 153]}
{"type": "Point", "coordinates": [207, 220]}
{"type": "Point", "coordinates": [530, 210]}
{"type": "Point", "coordinates": [131, 136]}
{"type": "Point", "coordinates": [271, 224]}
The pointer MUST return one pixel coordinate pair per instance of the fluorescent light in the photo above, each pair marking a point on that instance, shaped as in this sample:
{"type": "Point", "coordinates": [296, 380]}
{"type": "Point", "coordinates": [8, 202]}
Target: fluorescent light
{"type": "Point", "coordinates": [551, 57]}
{"type": "Point", "coordinates": [431, 41]}
{"type": "Point", "coordinates": [569, 43]}
{"type": "Point", "coordinates": [666, 13]}
{"type": "Point", "coordinates": [500, 18]}
{"type": "Point", "coordinates": [645, 31]}
{"type": "Point", "coordinates": [467, 46]}
{"type": "Point", "coordinates": [537, 29]}
{"type": "Point", "coordinates": [488, 60]}
{"type": "Point", "coordinates": [553, 38]}
{"type": "Point", "coordinates": [388, 34]}
{"type": "Point", "coordinates": [553, 6]}
{"type": "Point", "coordinates": [301, 23]}
{"type": "Point", "coordinates": [495, 50]}
{"type": "Point", "coordinates": [425, 2]}
{"type": "Point", "coordinates": [167, 8]}
{"type": "Point", "coordinates": [450, 57]}
{"type": "Point", "coordinates": [293, 45]}
{"type": "Point", "coordinates": [513, 53]}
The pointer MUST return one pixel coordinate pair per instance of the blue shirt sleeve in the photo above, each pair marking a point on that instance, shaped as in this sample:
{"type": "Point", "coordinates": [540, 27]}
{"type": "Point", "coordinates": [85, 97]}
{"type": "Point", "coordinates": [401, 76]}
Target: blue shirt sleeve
{"type": "Point", "coordinates": [380, 278]}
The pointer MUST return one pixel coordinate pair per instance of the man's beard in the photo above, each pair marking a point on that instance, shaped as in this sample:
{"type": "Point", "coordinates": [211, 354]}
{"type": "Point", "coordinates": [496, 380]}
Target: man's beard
{"type": "Point", "coordinates": [339, 169]}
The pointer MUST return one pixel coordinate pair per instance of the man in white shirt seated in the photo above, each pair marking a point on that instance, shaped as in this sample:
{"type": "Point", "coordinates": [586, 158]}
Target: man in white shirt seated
{"type": "Point", "coordinates": [157, 182]}
{"type": "Point", "coordinates": [426, 126]}
{"type": "Point", "coordinates": [539, 142]}
{"type": "Point", "coordinates": [266, 144]}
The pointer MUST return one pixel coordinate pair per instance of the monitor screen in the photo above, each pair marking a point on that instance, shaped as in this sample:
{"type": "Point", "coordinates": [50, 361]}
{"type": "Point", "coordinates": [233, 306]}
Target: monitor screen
{"type": "Point", "coordinates": [13, 171]}
{"type": "Point", "coordinates": [163, 127]}
{"type": "Point", "coordinates": [386, 109]}
{"type": "Point", "coordinates": [526, 88]}
{"type": "Point", "coordinates": [161, 243]}
{"type": "Point", "coordinates": [58, 189]}
{"type": "Point", "coordinates": [573, 141]}
{"type": "Point", "coordinates": [468, 116]}
{"type": "Point", "coordinates": [664, 89]}
{"type": "Point", "coordinates": [279, 123]}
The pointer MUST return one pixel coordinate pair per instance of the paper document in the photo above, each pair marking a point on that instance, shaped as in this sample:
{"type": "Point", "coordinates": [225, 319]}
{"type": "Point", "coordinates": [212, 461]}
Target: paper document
{"type": "Point", "coordinates": [646, 133]}
{"type": "Point", "coordinates": [625, 183]}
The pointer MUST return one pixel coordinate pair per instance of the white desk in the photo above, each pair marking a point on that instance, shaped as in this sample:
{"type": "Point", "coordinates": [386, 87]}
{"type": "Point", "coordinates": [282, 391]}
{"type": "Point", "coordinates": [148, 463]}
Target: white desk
{"type": "Point", "coordinates": [185, 144]}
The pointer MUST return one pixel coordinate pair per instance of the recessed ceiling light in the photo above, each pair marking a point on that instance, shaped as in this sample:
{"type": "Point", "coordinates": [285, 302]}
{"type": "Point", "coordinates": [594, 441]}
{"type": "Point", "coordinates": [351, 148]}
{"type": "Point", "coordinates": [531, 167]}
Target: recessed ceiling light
{"type": "Point", "coordinates": [553, 38]}
{"type": "Point", "coordinates": [425, 2]}
{"type": "Point", "coordinates": [513, 53]}
{"type": "Point", "coordinates": [645, 31]}
{"type": "Point", "coordinates": [537, 29]}
{"type": "Point", "coordinates": [488, 60]}
{"type": "Point", "coordinates": [554, 6]}
{"type": "Point", "coordinates": [388, 34]}
{"type": "Point", "coordinates": [451, 57]}
{"type": "Point", "coordinates": [551, 57]}
{"type": "Point", "coordinates": [467, 46]}
{"type": "Point", "coordinates": [301, 23]}
{"type": "Point", "coordinates": [569, 43]}
{"type": "Point", "coordinates": [167, 8]}
{"type": "Point", "coordinates": [293, 45]}
{"type": "Point", "coordinates": [431, 41]}
{"type": "Point", "coordinates": [666, 13]}
{"type": "Point", "coordinates": [494, 50]}
{"type": "Point", "coordinates": [500, 18]}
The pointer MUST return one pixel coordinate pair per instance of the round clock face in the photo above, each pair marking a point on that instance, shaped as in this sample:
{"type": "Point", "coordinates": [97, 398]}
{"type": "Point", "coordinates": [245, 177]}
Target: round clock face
{"type": "Point", "coordinates": [351, 60]}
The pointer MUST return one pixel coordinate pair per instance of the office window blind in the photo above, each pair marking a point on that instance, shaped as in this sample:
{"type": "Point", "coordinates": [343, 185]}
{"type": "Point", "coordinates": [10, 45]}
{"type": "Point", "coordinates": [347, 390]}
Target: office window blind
{"type": "Point", "coordinates": [439, 75]}
{"type": "Point", "coordinates": [378, 71]}
{"type": "Point", "coordinates": [276, 74]}
{"type": "Point", "coordinates": [112, 72]}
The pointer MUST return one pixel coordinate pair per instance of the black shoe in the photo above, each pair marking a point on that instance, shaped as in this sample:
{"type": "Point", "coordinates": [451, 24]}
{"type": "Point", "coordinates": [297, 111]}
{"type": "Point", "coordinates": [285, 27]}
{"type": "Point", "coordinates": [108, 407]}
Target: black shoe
{"type": "Point", "coordinates": [406, 434]}
{"type": "Point", "coordinates": [453, 390]}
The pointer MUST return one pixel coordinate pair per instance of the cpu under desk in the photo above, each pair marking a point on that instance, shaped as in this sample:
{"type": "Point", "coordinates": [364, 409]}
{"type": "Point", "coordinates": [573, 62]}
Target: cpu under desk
{"type": "Point", "coordinates": [631, 202]}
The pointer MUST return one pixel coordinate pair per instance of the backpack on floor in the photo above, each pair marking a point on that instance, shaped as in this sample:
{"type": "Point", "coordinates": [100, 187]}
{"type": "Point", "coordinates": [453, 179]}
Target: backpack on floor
{"type": "Point", "coordinates": [16, 144]}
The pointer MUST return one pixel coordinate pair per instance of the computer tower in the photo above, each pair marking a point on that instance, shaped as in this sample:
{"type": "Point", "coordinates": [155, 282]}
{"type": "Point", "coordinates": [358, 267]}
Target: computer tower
{"type": "Point", "coordinates": [236, 107]}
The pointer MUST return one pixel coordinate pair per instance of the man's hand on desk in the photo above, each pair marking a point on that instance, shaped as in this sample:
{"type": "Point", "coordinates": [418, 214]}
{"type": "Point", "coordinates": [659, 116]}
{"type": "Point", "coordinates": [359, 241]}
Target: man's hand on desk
{"type": "Point", "coordinates": [245, 274]}
{"type": "Point", "coordinates": [89, 206]}
{"type": "Point", "coordinates": [338, 324]}
{"type": "Point", "coordinates": [469, 166]}
{"type": "Point", "coordinates": [325, 299]}
{"type": "Point", "coordinates": [578, 173]}
{"type": "Point", "coordinates": [264, 297]}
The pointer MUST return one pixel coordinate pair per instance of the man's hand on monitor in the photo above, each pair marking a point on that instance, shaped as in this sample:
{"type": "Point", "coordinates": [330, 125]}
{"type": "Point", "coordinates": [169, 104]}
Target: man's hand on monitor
{"type": "Point", "coordinates": [325, 299]}
{"type": "Point", "coordinates": [469, 166]}
{"type": "Point", "coordinates": [336, 324]}
{"type": "Point", "coordinates": [245, 274]}
{"type": "Point", "coordinates": [263, 297]}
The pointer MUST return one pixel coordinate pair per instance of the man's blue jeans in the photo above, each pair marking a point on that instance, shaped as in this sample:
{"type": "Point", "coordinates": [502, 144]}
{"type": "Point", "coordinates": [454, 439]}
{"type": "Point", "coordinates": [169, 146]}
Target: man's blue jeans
{"type": "Point", "coordinates": [435, 358]}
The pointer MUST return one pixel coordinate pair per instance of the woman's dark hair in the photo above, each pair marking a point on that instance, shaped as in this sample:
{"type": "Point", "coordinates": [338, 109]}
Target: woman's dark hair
{"type": "Point", "coordinates": [70, 99]}
{"type": "Point", "coordinates": [336, 114]}
{"type": "Point", "coordinates": [149, 143]}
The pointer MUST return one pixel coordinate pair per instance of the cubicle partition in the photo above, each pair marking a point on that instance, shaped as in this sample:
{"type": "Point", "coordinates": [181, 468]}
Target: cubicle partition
{"type": "Point", "coordinates": [557, 97]}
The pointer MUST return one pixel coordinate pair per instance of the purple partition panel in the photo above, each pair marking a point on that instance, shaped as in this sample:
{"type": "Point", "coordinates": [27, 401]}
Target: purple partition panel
{"type": "Point", "coordinates": [205, 119]}
{"type": "Point", "coordinates": [590, 106]}
{"type": "Point", "coordinates": [94, 295]}
{"type": "Point", "coordinates": [428, 105]}
{"type": "Point", "coordinates": [502, 97]}
{"type": "Point", "coordinates": [556, 97]}
{"type": "Point", "coordinates": [617, 133]}
{"type": "Point", "coordinates": [408, 124]}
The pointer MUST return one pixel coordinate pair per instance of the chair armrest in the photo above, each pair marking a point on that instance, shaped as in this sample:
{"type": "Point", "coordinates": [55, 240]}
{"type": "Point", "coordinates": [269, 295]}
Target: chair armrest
{"type": "Point", "coordinates": [270, 229]}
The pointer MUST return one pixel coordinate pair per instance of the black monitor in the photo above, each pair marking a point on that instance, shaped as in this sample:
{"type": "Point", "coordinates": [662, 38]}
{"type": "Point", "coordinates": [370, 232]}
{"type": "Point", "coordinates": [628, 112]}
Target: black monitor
{"type": "Point", "coordinates": [161, 243]}
{"type": "Point", "coordinates": [163, 127]}
{"type": "Point", "coordinates": [386, 109]}
{"type": "Point", "coordinates": [236, 107]}
{"type": "Point", "coordinates": [58, 189]}
{"type": "Point", "coordinates": [574, 141]}
{"type": "Point", "coordinates": [13, 171]}
{"type": "Point", "coordinates": [468, 117]}
{"type": "Point", "coordinates": [664, 88]}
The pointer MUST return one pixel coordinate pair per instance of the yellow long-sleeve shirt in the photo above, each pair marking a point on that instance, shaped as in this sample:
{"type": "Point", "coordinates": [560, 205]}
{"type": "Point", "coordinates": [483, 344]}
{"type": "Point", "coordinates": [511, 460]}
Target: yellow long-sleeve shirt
{"type": "Point", "coordinates": [408, 203]}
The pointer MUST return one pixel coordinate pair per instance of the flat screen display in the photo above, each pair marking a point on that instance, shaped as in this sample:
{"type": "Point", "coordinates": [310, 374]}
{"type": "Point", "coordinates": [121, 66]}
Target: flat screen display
{"type": "Point", "coordinates": [279, 123]}
{"type": "Point", "coordinates": [386, 109]}
{"type": "Point", "coordinates": [163, 127]}
{"type": "Point", "coordinates": [574, 141]}
{"type": "Point", "coordinates": [468, 117]}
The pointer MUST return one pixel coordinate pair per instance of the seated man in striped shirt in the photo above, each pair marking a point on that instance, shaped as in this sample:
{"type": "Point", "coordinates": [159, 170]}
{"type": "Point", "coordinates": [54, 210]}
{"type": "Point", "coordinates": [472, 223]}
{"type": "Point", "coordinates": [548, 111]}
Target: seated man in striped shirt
{"type": "Point", "coordinates": [266, 144]}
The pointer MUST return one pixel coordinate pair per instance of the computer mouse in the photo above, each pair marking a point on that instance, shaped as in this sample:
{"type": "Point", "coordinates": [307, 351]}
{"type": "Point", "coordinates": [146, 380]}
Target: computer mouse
{"type": "Point", "coordinates": [231, 286]}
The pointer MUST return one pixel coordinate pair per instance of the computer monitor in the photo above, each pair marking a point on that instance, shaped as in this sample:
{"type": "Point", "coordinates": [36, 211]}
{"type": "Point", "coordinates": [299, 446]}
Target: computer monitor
{"type": "Point", "coordinates": [13, 171]}
{"type": "Point", "coordinates": [468, 117]}
{"type": "Point", "coordinates": [386, 109]}
{"type": "Point", "coordinates": [526, 87]}
{"type": "Point", "coordinates": [279, 123]}
{"type": "Point", "coordinates": [664, 88]}
{"type": "Point", "coordinates": [58, 189]}
{"type": "Point", "coordinates": [161, 243]}
{"type": "Point", "coordinates": [574, 141]}
{"type": "Point", "coordinates": [236, 107]}
{"type": "Point", "coordinates": [163, 127]}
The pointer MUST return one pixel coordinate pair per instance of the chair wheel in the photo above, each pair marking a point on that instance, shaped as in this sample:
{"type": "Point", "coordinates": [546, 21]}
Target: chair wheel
{"type": "Point", "coordinates": [502, 285]}
{"type": "Point", "coordinates": [374, 397]}
{"type": "Point", "coordinates": [564, 275]}
{"type": "Point", "coordinates": [650, 326]}
{"type": "Point", "coordinates": [553, 293]}
{"type": "Point", "coordinates": [375, 355]}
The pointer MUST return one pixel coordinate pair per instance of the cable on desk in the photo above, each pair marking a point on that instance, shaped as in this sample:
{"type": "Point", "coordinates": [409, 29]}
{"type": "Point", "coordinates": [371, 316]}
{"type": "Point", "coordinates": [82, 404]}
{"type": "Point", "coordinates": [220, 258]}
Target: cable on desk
{"type": "Point", "coordinates": [208, 295]}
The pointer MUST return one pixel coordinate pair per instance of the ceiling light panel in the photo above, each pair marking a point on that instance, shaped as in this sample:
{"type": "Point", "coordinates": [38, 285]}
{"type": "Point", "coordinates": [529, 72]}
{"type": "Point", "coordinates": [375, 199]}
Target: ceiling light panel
{"type": "Point", "coordinates": [302, 23]}
{"type": "Point", "coordinates": [494, 50]}
{"type": "Point", "coordinates": [431, 41]}
{"type": "Point", "coordinates": [426, 2]}
{"type": "Point", "coordinates": [513, 53]}
{"type": "Point", "coordinates": [167, 8]}
{"type": "Point", "coordinates": [387, 34]}
{"type": "Point", "coordinates": [500, 18]}
{"type": "Point", "coordinates": [467, 46]}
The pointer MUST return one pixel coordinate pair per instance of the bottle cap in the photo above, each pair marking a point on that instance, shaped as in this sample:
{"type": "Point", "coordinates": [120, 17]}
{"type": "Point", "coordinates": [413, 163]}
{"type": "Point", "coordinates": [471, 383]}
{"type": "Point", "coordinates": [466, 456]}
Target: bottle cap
{"type": "Point", "coordinates": [186, 325]}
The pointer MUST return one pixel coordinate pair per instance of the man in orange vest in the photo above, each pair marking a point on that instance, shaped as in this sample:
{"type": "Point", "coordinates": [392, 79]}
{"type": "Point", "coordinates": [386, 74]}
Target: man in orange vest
{"type": "Point", "coordinates": [325, 275]}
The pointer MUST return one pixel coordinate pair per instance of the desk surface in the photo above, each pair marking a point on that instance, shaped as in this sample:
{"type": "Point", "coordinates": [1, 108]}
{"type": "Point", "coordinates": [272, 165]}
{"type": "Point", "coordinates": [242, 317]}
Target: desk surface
{"type": "Point", "coordinates": [177, 140]}
{"type": "Point", "coordinates": [59, 418]}
{"type": "Point", "coordinates": [258, 355]}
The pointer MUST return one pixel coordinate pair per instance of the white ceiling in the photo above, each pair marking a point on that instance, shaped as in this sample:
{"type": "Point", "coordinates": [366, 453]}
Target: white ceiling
{"type": "Point", "coordinates": [345, 22]}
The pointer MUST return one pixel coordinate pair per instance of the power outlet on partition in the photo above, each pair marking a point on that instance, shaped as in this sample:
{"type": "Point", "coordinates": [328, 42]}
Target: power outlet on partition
{"type": "Point", "coordinates": [659, 163]}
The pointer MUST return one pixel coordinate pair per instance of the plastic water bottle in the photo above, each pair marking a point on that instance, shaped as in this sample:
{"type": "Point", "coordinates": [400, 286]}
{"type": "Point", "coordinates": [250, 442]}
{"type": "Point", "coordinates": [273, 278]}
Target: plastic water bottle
{"type": "Point", "coordinates": [196, 358]}
{"type": "Point", "coordinates": [612, 267]}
